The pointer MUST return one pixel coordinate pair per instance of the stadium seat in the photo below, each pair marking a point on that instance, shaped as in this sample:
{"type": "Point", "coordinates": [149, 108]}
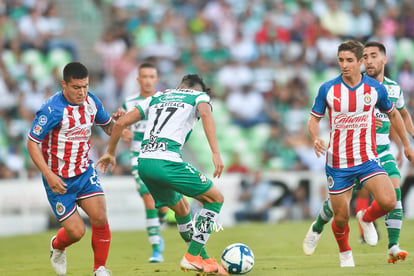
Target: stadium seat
{"type": "Point", "coordinates": [58, 58]}
{"type": "Point", "coordinates": [404, 46]}
{"type": "Point", "coordinates": [8, 57]}
{"type": "Point", "coordinates": [40, 71]}
{"type": "Point", "coordinates": [32, 57]}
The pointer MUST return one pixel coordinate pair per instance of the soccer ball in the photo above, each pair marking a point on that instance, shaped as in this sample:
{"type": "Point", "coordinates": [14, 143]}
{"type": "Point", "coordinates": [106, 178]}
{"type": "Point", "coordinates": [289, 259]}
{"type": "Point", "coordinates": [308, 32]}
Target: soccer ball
{"type": "Point", "coordinates": [237, 258]}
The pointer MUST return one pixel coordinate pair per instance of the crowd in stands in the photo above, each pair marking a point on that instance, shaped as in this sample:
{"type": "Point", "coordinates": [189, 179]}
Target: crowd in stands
{"type": "Point", "coordinates": [264, 60]}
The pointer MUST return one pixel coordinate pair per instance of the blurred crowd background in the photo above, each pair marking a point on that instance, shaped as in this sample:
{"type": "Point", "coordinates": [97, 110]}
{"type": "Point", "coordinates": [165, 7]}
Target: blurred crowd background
{"type": "Point", "coordinates": [263, 59]}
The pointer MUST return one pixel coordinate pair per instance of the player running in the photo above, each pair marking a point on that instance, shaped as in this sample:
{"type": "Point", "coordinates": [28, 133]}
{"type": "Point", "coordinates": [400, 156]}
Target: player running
{"type": "Point", "coordinates": [374, 61]}
{"type": "Point", "coordinates": [63, 128]}
{"type": "Point", "coordinates": [147, 79]}
{"type": "Point", "coordinates": [171, 116]}
{"type": "Point", "coordinates": [350, 100]}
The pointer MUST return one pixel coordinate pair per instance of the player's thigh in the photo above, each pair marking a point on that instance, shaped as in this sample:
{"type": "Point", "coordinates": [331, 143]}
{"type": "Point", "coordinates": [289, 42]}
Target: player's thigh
{"type": "Point", "coordinates": [149, 202]}
{"type": "Point", "coordinates": [157, 180]}
{"type": "Point", "coordinates": [95, 208]}
{"type": "Point", "coordinates": [381, 188]}
{"type": "Point", "coordinates": [340, 204]}
{"type": "Point", "coordinates": [212, 195]}
{"type": "Point", "coordinates": [181, 208]}
{"type": "Point", "coordinates": [74, 226]}
{"type": "Point", "coordinates": [179, 176]}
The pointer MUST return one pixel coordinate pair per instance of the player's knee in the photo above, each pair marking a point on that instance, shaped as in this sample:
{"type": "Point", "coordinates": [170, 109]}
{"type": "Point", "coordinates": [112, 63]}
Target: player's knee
{"type": "Point", "coordinates": [76, 234]}
{"type": "Point", "coordinates": [219, 198]}
{"type": "Point", "coordinates": [389, 204]}
{"type": "Point", "coordinates": [99, 219]}
{"type": "Point", "coordinates": [341, 220]}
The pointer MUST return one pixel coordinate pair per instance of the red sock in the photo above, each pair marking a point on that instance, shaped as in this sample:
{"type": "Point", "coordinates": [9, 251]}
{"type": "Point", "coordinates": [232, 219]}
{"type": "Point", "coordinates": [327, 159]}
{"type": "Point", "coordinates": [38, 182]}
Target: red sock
{"type": "Point", "coordinates": [361, 204]}
{"type": "Point", "coordinates": [373, 212]}
{"type": "Point", "coordinates": [62, 240]}
{"type": "Point", "coordinates": [101, 239]}
{"type": "Point", "coordinates": [341, 236]}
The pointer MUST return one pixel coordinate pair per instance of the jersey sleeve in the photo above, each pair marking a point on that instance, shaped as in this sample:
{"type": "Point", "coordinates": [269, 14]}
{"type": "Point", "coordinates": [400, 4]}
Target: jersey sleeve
{"type": "Point", "coordinates": [384, 103]}
{"type": "Point", "coordinates": [400, 104]}
{"type": "Point", "coordinates": [46, 119]}
{"type": "Point", "coordinates": [319, 103]}
{"type": "Point", "coordinates": [143, 107]}
{"type": "Point", "coordinates": [202, 98]}
{"type": "Point", "coordinates": [102, 117]}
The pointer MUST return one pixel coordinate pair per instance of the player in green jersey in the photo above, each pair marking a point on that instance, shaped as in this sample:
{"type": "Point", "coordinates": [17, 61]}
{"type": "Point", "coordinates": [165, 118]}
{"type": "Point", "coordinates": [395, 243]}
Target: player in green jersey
{"type": "Point", "coordinates": [171, 116]}
{"type": "Point", "coordinates": [147, 79]}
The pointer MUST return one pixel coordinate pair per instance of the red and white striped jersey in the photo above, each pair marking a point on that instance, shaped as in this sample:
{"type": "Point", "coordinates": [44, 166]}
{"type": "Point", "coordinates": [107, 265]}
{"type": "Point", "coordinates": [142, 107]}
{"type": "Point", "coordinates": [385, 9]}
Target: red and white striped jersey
{"type": "Point", "coordinates": [351, 116]}
{"type": "Point", "coordinates": [64, 130]}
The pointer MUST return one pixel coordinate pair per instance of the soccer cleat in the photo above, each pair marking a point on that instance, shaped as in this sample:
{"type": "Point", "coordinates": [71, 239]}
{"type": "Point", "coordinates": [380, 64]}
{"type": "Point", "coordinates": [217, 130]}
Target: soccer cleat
{"type": "Point", "coordinates": [192, 263]}
{"type": "Point", "coordinates": [346, 259]}
{"type": "Point", "coordinates": [395, 254]}
{"type": "Point", "coordinates": [57, 259]}
{"type": "Point", "coordinates": [102, 271]}
{"type": "Point", "coordinates": [311, 240]}
{"type": "Point", "coordinates": [156, 257]}
{"type": "Point", "coordinates": [219, 270]}
{"type": "Point", "coordinates": [370, 233]}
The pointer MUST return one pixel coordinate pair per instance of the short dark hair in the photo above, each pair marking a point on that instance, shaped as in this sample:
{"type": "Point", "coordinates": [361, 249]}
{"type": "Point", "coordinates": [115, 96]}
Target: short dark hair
{"type": "Point", "coordinates": [147, 65]}
{"type": "Point", "coordinates": [353, 46]}
{"type": "Point", "coordinates": [191, 80]}
{"type": "Point", "coordinates": [377, 44]}
{"type": "Point", "coordinates": [74, 70]}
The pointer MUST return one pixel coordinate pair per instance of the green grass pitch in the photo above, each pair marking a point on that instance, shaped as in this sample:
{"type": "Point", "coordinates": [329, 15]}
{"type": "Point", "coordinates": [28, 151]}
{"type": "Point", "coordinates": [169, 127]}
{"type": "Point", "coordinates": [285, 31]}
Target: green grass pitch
{"type": "Point", "coordinates": [277, 249]}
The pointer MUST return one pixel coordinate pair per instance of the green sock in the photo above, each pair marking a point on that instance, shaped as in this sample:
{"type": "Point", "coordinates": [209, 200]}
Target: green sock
{"type": "Point", "coordinates": [203, 253]}
{"type": "Point", "coordinates": [204, 226]}
{"type": "Point", "coordinates": [185, 227]}
{"type": "Point", "coordinates": [153, 228]}
{"type": "Point", "coordinates": [393, 221]}
{"type": "Point", "coordinates": [324, 216]}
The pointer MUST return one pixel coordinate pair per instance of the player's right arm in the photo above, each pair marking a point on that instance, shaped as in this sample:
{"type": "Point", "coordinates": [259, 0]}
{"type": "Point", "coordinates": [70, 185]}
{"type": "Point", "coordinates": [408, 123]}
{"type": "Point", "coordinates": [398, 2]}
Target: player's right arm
{"type": "Point", "coordinates": [109, 157]}
{"type": "Point", "coordinates": [313, 128]}
{"type": "Point", "coordinates": [55, 183]}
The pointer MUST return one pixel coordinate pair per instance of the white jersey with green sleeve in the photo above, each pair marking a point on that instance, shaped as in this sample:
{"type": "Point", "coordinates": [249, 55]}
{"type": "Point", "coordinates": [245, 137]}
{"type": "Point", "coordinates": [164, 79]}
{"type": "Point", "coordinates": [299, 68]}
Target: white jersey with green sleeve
{"type": "Point", "coordinates": [396, 96]}
{"type": "Point", "coordinates": [171, 117]}
{"type": "Point", "coordinates": [137, 128]}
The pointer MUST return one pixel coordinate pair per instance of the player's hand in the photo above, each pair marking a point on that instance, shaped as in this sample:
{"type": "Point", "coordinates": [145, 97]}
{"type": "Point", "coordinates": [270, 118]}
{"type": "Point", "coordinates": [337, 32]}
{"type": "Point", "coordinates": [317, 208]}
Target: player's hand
{"type": "Point", "coordinates": [56, 184]}
{"type": "Point", "coordinates": [103, 163]}
{"type": "Point", "coordinates": [319, 147]}
{"type": "Point", "coordinates": [378, 122]}
{"type": "Point", "coordinates": [118, 114]}
{"type": "Point", "coordinates": [218, 165]}
{"type": "Point", "coordinates": [409, 153]}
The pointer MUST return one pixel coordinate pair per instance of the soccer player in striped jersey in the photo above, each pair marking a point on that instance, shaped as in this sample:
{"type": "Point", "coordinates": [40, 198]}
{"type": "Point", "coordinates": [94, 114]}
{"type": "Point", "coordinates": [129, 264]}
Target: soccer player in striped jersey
{"type": "Point", "coordinates": [171, 116]}
{"type": "Point", "coordinates": [147, 79]}
{"type": "Point", "coordinates": [351, 99]}
{"type": "Point", "coordinates": [374, 61]}
{"type": "Point", "coordinates": [59, 144]}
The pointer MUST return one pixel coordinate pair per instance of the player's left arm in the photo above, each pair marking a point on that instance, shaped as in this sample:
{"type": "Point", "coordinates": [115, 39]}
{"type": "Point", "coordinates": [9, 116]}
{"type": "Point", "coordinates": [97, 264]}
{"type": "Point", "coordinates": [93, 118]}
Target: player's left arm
{"type": "Point", "coordinates": [394, 137]}
{"type": "Point", "coordinates": [408, 122]}
{"type": "Point", "coordinates": [116, 131]}
{"type": "Point", "coordinates": [209, 126]}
